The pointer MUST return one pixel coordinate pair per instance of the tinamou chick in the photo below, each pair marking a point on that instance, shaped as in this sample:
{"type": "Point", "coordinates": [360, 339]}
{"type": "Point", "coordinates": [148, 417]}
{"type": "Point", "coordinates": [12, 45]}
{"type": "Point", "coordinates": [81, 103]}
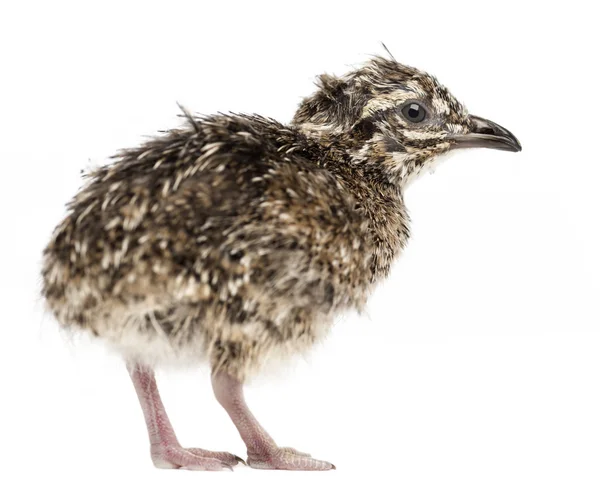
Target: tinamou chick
{"type": "Point", "coordinates": [236, 239]}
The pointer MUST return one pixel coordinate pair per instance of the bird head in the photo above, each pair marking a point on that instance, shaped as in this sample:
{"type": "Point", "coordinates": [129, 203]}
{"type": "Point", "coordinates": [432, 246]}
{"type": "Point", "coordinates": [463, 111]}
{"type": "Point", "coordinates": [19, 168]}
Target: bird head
{"type": "Point", "coordinates": [394, 119]}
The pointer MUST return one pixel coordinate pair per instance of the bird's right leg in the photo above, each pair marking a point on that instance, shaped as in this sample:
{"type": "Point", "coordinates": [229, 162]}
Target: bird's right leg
{"type": "Point", "coordinates": [166, 452]}
{"type": "Point", "coordinates": [263, 452]}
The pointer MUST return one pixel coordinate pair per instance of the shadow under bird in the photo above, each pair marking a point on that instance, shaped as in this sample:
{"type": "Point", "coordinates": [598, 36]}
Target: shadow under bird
{"type": "Point", "coordinates": [236, 239]}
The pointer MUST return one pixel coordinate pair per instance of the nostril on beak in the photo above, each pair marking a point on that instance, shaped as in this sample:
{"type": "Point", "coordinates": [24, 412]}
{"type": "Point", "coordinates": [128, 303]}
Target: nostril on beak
{"type": "Point", "coordinates": [487, 131]}
{"type": "Point", "coordinates": [485, 127]}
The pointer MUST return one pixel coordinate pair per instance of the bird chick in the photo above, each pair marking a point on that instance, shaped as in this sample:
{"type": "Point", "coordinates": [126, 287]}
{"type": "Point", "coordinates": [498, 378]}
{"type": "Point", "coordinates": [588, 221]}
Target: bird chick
{"type": "Point", "coordinates": [236, 239]}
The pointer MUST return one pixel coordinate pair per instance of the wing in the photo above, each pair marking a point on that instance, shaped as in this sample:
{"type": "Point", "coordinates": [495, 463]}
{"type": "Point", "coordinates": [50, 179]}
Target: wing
{"type": "Point", "coordinates": [205, 213]}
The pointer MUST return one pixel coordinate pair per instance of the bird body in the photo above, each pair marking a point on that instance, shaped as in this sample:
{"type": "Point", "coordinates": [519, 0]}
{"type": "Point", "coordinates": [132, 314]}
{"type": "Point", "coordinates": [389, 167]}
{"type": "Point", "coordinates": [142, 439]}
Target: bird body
{"type": "Point", "coordinates": [237, 239]}
{"type": "Point", "coordinates": [232, 238]}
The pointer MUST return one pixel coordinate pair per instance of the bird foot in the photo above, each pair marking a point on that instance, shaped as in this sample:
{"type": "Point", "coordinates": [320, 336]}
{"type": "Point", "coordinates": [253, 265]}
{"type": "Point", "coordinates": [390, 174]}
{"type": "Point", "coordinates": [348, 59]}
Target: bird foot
{"type": "Point", "coordinates": [287, 459]}
{"type": "Point", "coordinates": [174, 456]}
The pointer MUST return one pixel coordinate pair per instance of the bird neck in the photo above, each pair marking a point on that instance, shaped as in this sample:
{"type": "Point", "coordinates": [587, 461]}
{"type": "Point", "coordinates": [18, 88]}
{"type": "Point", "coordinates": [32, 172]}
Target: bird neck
{"type": "Point", "coordinates": [378, 197]}
{"type": "Point", "coordinates": [371, 155]}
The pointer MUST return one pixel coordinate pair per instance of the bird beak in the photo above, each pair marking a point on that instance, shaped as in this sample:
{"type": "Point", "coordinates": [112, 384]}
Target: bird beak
{"type": "Point", "coordinates": [487, 134]}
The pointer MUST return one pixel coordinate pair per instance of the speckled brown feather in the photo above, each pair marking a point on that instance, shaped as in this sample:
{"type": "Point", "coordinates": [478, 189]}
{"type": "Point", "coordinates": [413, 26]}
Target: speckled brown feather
{"type": "Point", "coordinates": [236, 238]}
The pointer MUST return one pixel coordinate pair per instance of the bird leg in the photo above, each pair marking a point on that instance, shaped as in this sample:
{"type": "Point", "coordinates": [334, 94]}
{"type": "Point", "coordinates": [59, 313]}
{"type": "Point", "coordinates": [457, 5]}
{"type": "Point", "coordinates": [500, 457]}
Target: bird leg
{"type": "Point", "coordinates": [262, 450]}
{"type": "Point", "coordinates": [165, 450]}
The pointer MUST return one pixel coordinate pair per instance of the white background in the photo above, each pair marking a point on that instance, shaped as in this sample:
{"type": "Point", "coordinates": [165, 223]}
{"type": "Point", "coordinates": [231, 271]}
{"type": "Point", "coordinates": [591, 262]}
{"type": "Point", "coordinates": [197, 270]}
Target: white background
{"type": "Point", "coordinates": [478, 361]}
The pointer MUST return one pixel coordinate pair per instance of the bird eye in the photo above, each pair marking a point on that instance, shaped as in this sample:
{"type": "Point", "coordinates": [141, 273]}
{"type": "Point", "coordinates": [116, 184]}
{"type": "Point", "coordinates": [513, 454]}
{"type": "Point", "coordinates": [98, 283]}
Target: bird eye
{"type": "Point", "coordinates": [414, 112]}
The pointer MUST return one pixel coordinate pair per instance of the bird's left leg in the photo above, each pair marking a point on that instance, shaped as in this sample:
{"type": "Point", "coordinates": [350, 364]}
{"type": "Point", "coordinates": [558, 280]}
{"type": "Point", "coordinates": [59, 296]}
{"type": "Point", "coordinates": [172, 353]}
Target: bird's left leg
{"type": "Point", "coordinates": [263, 452]}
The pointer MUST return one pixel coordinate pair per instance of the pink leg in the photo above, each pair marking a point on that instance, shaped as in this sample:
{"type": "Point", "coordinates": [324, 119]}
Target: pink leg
{"type": "Point", "coordinates": [262, 450]}
{"type": "Point", "coordinates": [165, 449]}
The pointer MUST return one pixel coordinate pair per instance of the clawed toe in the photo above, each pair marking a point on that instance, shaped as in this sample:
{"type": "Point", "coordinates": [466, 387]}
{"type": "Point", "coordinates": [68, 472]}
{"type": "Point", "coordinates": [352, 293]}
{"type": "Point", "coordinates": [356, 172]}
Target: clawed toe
{"type": "Point", "coordinates": [193, 459]}
{"type": "Point", "coordinates": [241, 460]}
{"type": "Point", "coordinates": [288, 459]}
{"type": "Point", "coordinates": [228, 458]}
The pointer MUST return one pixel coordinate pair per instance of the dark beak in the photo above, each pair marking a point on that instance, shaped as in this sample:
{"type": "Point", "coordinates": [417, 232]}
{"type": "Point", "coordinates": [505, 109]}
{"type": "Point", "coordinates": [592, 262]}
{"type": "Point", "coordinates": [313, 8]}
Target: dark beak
{"type": "Point", "coordinates": [487, 134]}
